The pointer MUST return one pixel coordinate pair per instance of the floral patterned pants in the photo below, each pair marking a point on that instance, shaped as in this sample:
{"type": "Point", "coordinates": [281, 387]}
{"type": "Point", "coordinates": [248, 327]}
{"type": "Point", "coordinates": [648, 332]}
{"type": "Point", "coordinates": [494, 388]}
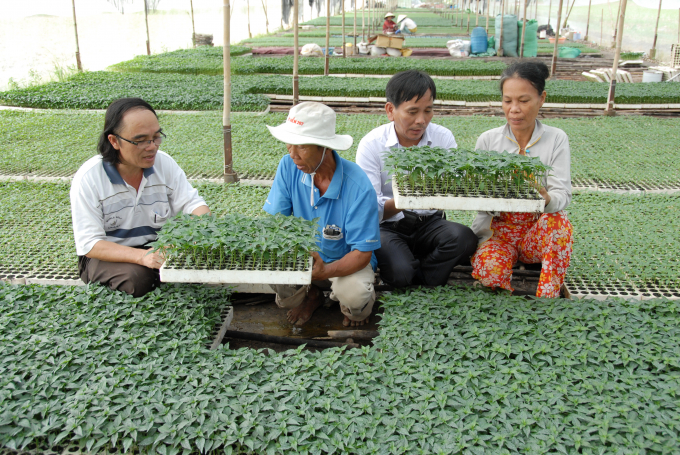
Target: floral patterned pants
{"type": "Point", "coordinates": [547, 240]}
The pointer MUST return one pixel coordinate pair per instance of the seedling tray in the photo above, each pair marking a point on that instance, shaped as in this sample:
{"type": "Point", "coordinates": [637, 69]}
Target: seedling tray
{"type": "Point", "coordinates": [406, 198]}
{"type": "Point", "coordinates": [173, 272]}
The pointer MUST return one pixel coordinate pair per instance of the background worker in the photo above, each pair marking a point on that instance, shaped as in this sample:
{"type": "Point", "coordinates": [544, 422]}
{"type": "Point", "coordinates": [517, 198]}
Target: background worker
{"type": "Point", "coordinates": [389, 26]}
{"type": "Point", "coordinates": [122, 197]}
{"type": "Point", "coordinates": [545, 238]}
{"type": "Point", "coordinates": [312, 181]}
{"type": "Point", "coordinates": [406, 25]}
{"type": "Point", "coordinates": [420, 246]}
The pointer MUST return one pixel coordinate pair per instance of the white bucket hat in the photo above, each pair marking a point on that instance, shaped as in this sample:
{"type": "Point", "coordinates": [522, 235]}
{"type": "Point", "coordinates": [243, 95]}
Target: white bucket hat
{"type": "Point", "coordinates": [311, 123]}
{"type": "Point", "coordinates": [389, 15]}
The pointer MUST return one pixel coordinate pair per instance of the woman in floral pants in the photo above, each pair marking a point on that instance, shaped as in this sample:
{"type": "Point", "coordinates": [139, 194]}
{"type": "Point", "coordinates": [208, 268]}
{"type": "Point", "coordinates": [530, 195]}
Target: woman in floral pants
{"type": "Point", "coordinates": [532, 238]}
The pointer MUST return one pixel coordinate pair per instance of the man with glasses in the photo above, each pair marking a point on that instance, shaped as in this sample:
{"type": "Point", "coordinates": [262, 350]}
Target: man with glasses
{"type": "Point", "coordinates": [122, 197]}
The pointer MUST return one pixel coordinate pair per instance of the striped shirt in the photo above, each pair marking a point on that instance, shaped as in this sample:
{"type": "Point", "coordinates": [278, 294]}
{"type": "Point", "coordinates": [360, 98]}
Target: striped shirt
{"type": "Point", "coordinates": [105, 207]}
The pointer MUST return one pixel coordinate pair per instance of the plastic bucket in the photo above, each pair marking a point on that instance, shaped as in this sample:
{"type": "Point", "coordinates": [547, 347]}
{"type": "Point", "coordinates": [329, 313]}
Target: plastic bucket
{"type": "Point", "coordinates": [652, 76]}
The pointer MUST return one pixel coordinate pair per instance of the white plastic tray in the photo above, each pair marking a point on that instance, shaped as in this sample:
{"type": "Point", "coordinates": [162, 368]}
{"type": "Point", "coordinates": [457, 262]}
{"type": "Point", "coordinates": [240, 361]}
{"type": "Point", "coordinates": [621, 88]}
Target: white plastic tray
{"type": "Point", "coordinates": [173, 275]}
{"type": "Point", "coordinates": [465, 203]}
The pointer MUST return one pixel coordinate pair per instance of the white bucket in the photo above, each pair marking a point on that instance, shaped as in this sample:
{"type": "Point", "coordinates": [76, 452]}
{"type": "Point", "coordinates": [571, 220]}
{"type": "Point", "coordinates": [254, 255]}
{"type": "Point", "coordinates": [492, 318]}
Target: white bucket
{"type": "Point", "coordinates": [652, 76]}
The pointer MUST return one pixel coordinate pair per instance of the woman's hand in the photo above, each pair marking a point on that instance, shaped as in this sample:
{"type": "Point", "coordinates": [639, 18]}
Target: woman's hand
{"type": "Point", "coordinates": [543, 192]}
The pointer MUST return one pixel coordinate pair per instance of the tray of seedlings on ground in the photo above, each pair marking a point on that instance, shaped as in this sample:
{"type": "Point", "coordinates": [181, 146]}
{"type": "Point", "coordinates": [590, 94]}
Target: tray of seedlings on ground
{"type": "Point", "coordinates": [237, 249]}
{"type": "Point", "coordinates": [451, 179]}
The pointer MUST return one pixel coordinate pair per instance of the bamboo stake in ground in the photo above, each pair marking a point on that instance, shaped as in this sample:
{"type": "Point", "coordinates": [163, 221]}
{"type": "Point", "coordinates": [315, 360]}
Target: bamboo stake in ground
{"type": "Point", "coordinates": [616, 28]}
{"type": "Point", "coordinates": [536, 10]}
{"type": "Point", "coordinates": [652, 52]}
{"type": "Point", "coordinates": [296, 53]}
{"type": "Point", "coordinates": [193, 27]}
{"type": "Point", "coordinates": [266, 17]}
{"type": "Point", "coordinates": [250, 35]}
{"type": "Point", "coordinates": [549, 10]}
{"type": "Point", "coordinates": [477, 15]}
{"type": "Point", "coordinates": [344, 48]}
{"type": "Point", "coordinates": [588, 21]}
{"type": "Point", "coordinates": [146, 19]}
{"type": "Point", "coordinates": [488, 8]}
{"type": "Point", "coordinates": [229, 174]}
{"type": "Point", "coordinates": [601, 25]}
{"type": "Point", "coordinates": [524, 30]}
{"type": "Point", "coordinates": [500, 40]}
{"type": "Point", "coordinates": [617, 55]}
{"type": "Point", "coordinates": [363, 23]}
{"type": "Point", "coordinates": [355, 26]}
{"type": "Point", "coordinates": [328, 36]}
{"type": "Point", "coordinates": [75, 27]}
{"type": "Point", "coordinates": [553, 65]}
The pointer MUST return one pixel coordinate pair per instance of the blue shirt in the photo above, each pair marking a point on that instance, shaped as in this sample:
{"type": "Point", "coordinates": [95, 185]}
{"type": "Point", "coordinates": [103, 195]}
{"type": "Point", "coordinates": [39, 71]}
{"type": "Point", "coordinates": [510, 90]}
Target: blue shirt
{"type": "Point", "coordinates": [349, 206]}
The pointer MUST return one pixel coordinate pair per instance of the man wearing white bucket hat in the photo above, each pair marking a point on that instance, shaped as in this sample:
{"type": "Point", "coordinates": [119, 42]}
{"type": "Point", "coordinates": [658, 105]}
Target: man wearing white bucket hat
{"type": "Point", "coordinates": [312, 181]}
{"type": "Point", "coordinates": [406, 25]}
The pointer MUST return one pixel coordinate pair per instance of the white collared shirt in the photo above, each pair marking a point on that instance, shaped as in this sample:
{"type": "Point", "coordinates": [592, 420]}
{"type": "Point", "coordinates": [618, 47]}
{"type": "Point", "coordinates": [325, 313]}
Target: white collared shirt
{"type": "Point", "coordinates": [376, 145]}
{"type": "Point", "coordinates": [105, 207]}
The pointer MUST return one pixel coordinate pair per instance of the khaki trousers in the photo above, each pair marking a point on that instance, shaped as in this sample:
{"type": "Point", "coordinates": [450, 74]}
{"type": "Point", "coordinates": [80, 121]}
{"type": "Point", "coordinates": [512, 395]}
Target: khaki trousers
{"type": "Point", "coordinates": [354, 292]}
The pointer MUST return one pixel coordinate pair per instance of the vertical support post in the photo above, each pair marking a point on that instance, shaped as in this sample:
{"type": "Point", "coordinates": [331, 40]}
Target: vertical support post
{"type": "Point", "coordinates": [588, 21]}
{"type": "Point", "coordinates": [468, 18]}
{"type": "Point", "coordinates": [363, 22]}
{"type": "Point", "coordinates": [250, 35]}
{"type": "Point", "coordinates": [553, 65]}
{"type": "Point", "coordinates": [652, 52]}
{"type": "Point", "coordinates": [536, 10]}
{"type": "Point", "coordinates": [266, 17]}
{"type": "Point", "coordinates": [146, 19]}
{"type": "Point", "coordinates": [477, 15]}
{"type": "Point", "coordinates": [355, 26]}
{"type": "Point", "coordinates": [328, 36]}
{"type": "Point", "coordinates": [344, 48]}
{"type": "Point", "coordinates": [296, 53]}
{"type": "Point", "coordinates": [524, 30]}
{"type": "Point", "coordinates": [549, 11]}
{"type": "Point", "coordinates": [229, 175]}
{"type": "Point", "coordinates": [75, 27]}
{"type": "Point", "coordinates": [601, 25]}
{"type": "Point", "coordinates": [500, 41]}
{"type": "Point", "coordinates": [616, 28]}
{"type": "Point", "coordinates": [193, 27]}
{"type": "Point", "coordinates": [488, 8]}
{"type": "Point", "coordinates": [617, 55]}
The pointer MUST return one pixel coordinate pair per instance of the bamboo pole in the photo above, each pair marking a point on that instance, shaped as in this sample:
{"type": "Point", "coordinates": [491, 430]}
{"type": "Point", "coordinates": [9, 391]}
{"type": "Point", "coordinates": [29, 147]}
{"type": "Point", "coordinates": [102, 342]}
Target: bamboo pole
{"type": "Point", "coordinates": [500, 40]}
{"type": "Point", "coordinates": [477, 15]}
{"type": "Point", "coordinates": [488, 8]}
{"type": "Point", "coordinates": [652, 52]}
{"type": "Point", "coordinates": [588, 21]}
{"type": "Point", "coordinates": [229, 175]}
{"type": "Point", "coordinates": [328, 36]}
{"type": "Point", "coordinates": [536, 10]}
{"type": "Point", "coordinates": [363, 22]}
{"type": "Point", "coordinates": [616, 28]}
{"type": "Point", "coordinates": [266, 16]}
{"type": "Point", "coordinates": [296, 52]}
{"type": "Point", "coordinates": [342, 5]}
{"type": "Point", "coordinates": [549, 11]}
{"type": "Point", "coordinates": [601, 25]}
{"type": "Point", "coordinates": [146, 19]}
{"type": "Point", "coordinates": [678, 25]}
{"type": "Point", "coordinates": [619, 38]}
{"type": "Point", "coordinates": [553, 65]}
{"type": "Point", "coordinates": [193, 27]}
{"type": "Point", "coordinates": [468, 18]}
{"type": "Point", "coordinates": [524, 30]}
{"type": "Point", "coordinates": [75, 28]}
{"type": "Point", "coordinates": [355, 26]}
{"type": "Point", "coordinates": [250, 35]}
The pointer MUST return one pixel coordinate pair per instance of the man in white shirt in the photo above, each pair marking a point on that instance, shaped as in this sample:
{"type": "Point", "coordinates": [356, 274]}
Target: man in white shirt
{"type": "Point", "coordinates": [417, 247]}
{"type": "Point", "coordinates": [122, 197]}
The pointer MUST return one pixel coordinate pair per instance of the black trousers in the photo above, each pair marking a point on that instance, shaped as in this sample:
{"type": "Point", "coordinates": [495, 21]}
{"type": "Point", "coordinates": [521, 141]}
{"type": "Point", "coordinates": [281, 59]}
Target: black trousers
{"type": "Point", "coordinates": [133, 279]}
{"type": "Point", "coordinates": [427, 256]}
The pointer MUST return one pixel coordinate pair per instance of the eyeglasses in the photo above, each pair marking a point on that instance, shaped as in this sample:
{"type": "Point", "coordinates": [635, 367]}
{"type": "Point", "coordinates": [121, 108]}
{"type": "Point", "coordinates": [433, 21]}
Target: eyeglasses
{"type": "Point", "coordinates": [144, 144]}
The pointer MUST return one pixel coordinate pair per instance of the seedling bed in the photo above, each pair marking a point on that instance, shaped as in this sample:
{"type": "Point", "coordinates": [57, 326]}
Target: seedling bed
{"type": "Point", "coordinates": [526, 199]}
{"type": "Point", "coordinates": [180, 270]}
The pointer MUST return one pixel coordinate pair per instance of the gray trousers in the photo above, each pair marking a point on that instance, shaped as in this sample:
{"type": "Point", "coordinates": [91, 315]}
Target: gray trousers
{"type": "Point", "coordinates": [133, 279]}
{"type": "Point", "coordinates": [354, 292]}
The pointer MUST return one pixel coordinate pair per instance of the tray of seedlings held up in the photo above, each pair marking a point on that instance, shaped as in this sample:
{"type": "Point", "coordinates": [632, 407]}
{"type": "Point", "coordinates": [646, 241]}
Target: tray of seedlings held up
{"type": "Point", "coordinates": [437, 178]}
{"type": "Point", "coordinates": [237, 249]}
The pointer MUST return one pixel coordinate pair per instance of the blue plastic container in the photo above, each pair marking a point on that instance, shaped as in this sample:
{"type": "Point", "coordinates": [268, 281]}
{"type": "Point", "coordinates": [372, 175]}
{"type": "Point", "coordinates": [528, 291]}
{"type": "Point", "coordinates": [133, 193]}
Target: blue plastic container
{"type": "Point", "coordinates": [478, 41]}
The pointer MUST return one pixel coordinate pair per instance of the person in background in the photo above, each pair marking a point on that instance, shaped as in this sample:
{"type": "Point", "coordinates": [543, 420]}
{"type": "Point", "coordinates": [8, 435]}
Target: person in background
{"type": "Point", "coordinates": [532, 238]}
{"type": "Point", "coordinates": [420, 246]}
{"type": "Point", "coordinates": [122, 197]}
{"type": "Point", "coordinates": [406, 25]}
{"type": "Point", "coordinates": [389, 26]}
{"type": "Point", "coordinates": [312, 181]}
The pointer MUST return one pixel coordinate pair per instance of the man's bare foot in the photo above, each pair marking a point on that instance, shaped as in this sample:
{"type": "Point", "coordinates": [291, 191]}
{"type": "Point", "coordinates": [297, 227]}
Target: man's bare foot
{"type": "Point", "coordinates": [303, 313]}
{"type": "Point", "coordinates": [347, 322]}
